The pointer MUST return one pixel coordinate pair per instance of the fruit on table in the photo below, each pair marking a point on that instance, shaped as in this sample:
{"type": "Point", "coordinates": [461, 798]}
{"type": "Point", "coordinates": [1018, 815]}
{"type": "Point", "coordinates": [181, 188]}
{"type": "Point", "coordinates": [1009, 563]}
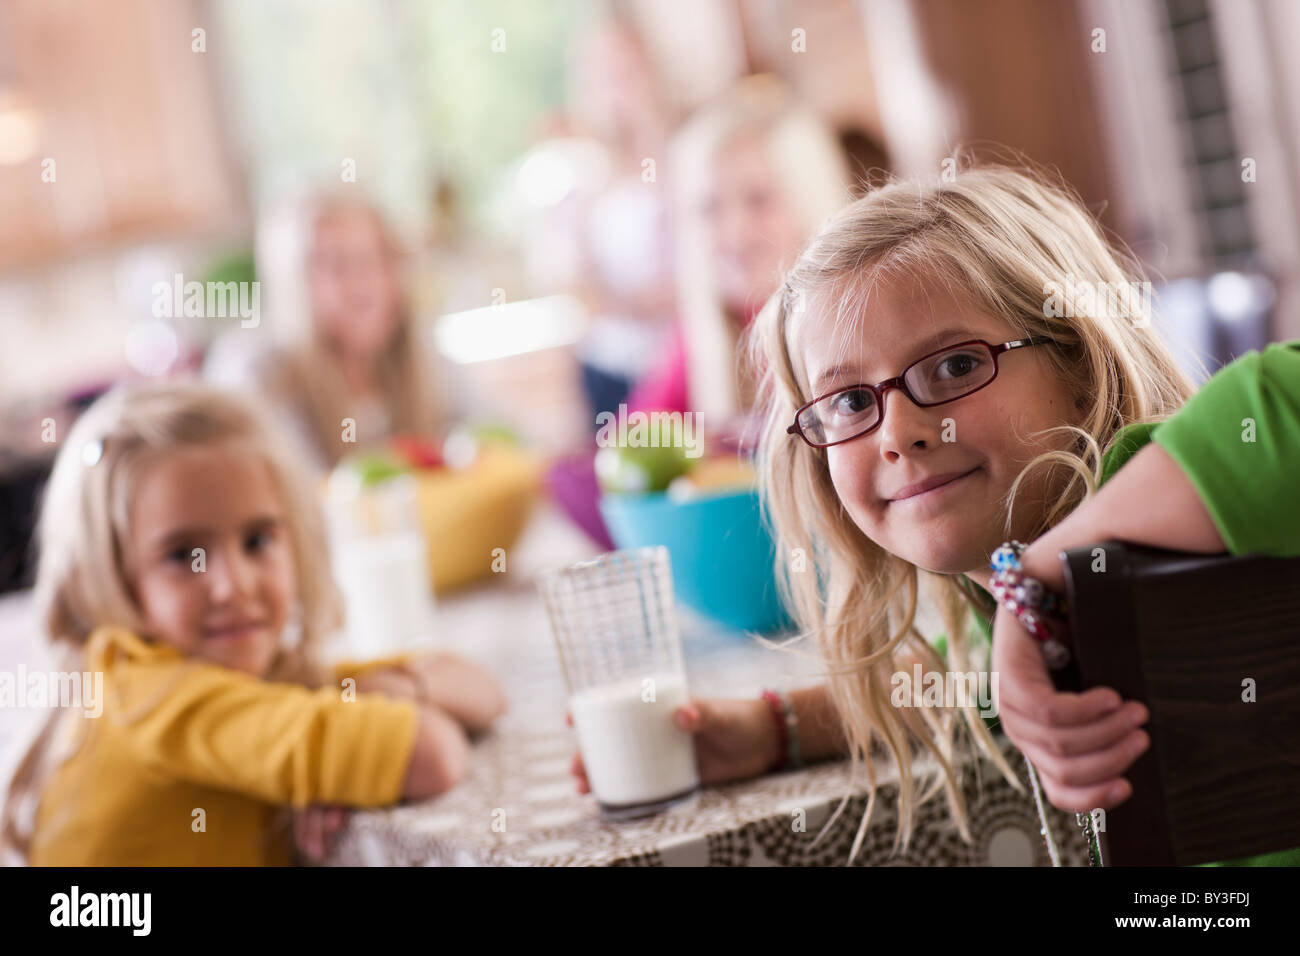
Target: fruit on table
{"type": "Point", "coordinates": [495, 432]}
{"type": "Point", "coordinates": [463, 443]}
{"type": "Point", "coordinates": [417, 452]}
{"type": "Point", "coordinates": [358, 473]}
{"type": "Point", "coordinates": [372, 468]}
{"type": "Point", "coordinates": [729, 473]}
{"type": "Point", "coordinates": [633, 469]}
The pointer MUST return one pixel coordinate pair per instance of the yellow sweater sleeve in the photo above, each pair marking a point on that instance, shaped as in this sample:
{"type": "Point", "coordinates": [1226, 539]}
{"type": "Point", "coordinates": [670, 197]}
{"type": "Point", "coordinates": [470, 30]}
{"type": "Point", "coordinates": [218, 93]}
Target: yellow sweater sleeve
{"type": "Point", "coordinates": [349, 667]}
{"type": "Point", "coordinates": [280, 743]}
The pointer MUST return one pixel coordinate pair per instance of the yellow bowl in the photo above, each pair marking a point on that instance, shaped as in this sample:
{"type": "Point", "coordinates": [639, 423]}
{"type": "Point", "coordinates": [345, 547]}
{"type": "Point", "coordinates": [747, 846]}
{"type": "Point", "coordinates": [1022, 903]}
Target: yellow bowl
{"type": "Point", "coordinates": [468, 513]}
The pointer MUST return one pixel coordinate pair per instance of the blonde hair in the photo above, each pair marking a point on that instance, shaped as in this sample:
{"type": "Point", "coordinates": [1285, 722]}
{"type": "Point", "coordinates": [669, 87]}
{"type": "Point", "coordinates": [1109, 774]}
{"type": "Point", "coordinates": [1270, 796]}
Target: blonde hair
{"type": "Point", "coordinates": [812, 175]}
{"type": "Point", "coordinates": [999, 236]}
{"type": "Point", "coordinates": [83, 581]}
{"type": "Point", "coordinates": [308, 376]}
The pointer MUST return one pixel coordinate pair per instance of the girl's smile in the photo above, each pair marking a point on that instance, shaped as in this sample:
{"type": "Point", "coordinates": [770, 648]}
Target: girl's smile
{"type": "Point", "coordinates": [929, 489]}
{"type": "Point", "coordinates": [236, 631]}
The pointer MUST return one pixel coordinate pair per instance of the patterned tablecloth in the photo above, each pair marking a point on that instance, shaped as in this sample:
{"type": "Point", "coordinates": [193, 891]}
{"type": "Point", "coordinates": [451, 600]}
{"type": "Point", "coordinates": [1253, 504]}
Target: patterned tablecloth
{"type": "Point", "coordinates": [519, 807]}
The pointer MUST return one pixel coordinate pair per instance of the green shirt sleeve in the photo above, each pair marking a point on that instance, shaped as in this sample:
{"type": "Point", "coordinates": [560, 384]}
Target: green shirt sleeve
{"type": "Point", "coordinates": [1238, 440]}
{"type": "Point", "coordinates": [1128, 441]}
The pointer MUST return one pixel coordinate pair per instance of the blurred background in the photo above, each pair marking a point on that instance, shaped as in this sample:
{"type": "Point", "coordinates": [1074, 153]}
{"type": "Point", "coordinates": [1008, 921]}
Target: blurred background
{"type": "Point", "coordinates": [537, 175]}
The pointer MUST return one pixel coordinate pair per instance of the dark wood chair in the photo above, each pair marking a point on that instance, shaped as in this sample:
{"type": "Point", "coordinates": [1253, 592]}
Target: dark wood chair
{"type": "Point", "coordinates": [1194, 637]}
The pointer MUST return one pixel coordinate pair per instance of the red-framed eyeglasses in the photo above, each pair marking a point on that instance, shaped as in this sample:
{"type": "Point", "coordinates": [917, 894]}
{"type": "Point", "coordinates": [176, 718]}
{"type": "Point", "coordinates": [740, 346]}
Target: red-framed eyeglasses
{"type": "Point", "coordinates": [943, 376]}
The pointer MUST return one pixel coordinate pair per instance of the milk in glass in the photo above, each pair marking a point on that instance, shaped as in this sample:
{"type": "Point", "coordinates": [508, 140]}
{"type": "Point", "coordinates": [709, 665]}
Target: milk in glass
{"type": "Point", "coordinates": [633, 751]}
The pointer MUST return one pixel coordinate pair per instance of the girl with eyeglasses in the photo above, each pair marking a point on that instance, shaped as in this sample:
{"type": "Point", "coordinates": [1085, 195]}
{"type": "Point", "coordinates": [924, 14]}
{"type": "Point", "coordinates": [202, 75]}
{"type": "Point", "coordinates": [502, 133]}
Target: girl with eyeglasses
{"type": "Point", "coordinates": [926, 402]}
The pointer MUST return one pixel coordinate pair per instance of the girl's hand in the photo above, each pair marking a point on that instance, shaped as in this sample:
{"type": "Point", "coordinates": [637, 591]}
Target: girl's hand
{"type": "Point", "coordinates": [460, 687]}
{"type": "Point", "coordinates": [734, 739]}
{"type": "Point", "coordinates": [1081, 743]}
{"type": "Point", "coordinates": [1078, 743]}
{"type": "Point", "coordinates": [314, 829]}
{"type": "Point", "coordinates": [389, 681]}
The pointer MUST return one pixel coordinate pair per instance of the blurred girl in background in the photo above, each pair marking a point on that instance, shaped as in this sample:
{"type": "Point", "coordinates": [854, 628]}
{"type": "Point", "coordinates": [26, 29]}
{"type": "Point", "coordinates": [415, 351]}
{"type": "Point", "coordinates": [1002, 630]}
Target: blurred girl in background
{"type": "Point", "coordinates": [359, 354]}
{"type": "Point", "coordinates": [755, 175]}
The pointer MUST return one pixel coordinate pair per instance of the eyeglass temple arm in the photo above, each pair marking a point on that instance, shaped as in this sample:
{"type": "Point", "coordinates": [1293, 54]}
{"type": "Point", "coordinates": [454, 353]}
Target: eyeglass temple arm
{"type": "Point", "coordinates": [1019, 344]}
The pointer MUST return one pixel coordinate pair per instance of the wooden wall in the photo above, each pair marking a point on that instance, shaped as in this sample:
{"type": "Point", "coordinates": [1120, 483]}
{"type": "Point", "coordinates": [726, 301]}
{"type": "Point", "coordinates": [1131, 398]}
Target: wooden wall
{"type": "Point", "coordinates": [1019, 72]}
{"type": "Point", "coordinates": [126, 109]}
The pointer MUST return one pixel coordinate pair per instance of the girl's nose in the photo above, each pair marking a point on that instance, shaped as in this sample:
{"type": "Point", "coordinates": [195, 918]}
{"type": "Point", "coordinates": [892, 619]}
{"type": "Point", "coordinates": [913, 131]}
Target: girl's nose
{"type": "Point", "coordinates": [905, 427]}
{"type": "Point", "coordinates": [230, 576]}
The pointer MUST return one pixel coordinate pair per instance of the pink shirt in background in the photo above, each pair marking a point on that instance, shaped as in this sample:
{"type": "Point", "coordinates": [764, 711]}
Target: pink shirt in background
{"type": "Point", "coordinates": [666, 387]}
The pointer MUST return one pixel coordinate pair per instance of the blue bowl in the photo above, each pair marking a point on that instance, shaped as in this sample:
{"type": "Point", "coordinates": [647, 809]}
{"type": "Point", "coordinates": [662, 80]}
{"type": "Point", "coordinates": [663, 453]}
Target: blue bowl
{"type": "Point", "coordinates": [722, 553]}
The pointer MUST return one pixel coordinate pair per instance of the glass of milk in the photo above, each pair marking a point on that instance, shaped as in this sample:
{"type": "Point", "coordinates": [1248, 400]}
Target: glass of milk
{"type": "Point", "coordinates": [380, 562]}
{"type": "Point", "coordinates": [616, 631]}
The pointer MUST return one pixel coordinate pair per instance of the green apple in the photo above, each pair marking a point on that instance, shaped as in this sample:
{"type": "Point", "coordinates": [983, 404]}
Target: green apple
{"type": "Point", "coordinates": [373, 469]}
{"type": "Point", "coordinates": [633, 469]}
{"type": "Point", "coordinates": [498, 432]}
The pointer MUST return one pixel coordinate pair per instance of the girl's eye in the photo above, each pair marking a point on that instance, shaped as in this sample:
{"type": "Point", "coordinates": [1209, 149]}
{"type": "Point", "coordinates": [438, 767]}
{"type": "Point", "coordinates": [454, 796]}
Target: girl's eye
{"type": "Point", "coordinates": [257, 541]}
{"type": "Point", "coordinates": [179, 555]}
{"type": "Point", "coordinates": [955, 366]}
{"type": "Point", "coordinates": [853, 402]}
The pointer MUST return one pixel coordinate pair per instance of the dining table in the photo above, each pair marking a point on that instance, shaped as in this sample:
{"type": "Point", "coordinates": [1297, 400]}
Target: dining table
{"type": "Point", "coordinates": [519, 805]}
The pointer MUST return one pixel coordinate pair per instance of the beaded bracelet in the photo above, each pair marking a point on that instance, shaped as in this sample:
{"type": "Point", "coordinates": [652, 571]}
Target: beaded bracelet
{"type": "Point", "coordinates": [787, 730]}
{"type": "Point", "coordinates": [1030, 601]}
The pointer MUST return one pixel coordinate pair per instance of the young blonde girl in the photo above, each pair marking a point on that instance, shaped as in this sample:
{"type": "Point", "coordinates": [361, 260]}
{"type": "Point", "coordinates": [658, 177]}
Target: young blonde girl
{"type": "Point", "coordinates": [918, 502]}
{"type": "Point", "coordinates": [969, 259]}
{"type": "Point", "coordinates": [181, 557]}
{"type": "Point", "coordinates": [354, 350]}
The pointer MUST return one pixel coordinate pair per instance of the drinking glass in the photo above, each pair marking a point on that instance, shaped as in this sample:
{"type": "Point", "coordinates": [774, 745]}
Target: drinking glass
{"type": "Point", "coordinates": [616, 632]}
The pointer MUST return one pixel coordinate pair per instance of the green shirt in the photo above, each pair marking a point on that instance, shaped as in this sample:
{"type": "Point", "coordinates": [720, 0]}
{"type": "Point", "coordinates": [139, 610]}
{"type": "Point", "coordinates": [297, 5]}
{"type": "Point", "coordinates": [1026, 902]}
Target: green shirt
{"type": "Point", "coordinates": [1238, 441]}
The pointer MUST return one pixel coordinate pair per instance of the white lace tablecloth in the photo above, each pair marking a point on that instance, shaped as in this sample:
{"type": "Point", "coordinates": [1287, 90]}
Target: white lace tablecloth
{"type": "Point", "coordinates": [519, 806]}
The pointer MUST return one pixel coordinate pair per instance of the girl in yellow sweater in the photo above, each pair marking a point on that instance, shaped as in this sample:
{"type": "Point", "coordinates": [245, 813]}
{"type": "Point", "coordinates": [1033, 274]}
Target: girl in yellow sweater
{"type": "Point", "coordinates": [183, 556]}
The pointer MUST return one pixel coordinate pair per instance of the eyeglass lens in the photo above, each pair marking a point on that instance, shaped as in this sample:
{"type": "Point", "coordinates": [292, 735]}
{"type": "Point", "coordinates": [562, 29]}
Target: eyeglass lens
{"type": "Point", "coordinates": [933, 380]}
